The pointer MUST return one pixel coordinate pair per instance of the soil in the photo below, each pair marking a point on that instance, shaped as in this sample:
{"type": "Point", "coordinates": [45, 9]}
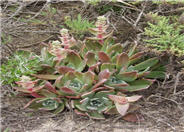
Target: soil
{"type": "Point", "coordinates": [161, 110]}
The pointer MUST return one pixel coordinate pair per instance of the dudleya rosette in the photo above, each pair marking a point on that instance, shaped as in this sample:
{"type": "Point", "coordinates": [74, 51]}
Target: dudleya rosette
{"type": "Point", "coordinates": [92, 76]}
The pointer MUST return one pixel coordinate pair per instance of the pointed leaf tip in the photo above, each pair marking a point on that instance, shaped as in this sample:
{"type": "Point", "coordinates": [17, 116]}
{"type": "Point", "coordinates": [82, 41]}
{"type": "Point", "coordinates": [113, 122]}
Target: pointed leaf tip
{"type": "Point", "coordinates": [64, 69]}
{"type": "Point", "coordinates": [67, 90]}
{"type": "Point", "coordinates": [105, 74]}
{"type": "Point", "coordinates": [118, 99]}
{"type": "Point", "coordinates": [133, 98]}
{"type": "Point", "coordinates": [122, 60]}
{"type": "Point", "coordinates": [103, 57]}
{"type": "Point", "coordinates": [122, 108]}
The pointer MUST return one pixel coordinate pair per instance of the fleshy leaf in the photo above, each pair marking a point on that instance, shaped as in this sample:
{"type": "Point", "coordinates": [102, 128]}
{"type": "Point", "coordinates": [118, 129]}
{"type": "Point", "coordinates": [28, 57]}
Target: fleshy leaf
{"type": "Point", "coordinates": [99, 83]}
{"type": "Point", "coordinates": [115, 48]}
{"type": "Point", "coordinates": [103, 57]}
{"type": "Point", "coordinates": [60, 108]}
{"type": "Point", "coordinates": [89, 94]}
{"type": "Point", "coordinates": [47, 93]}
{"type": "Point", "coordinates": [33, 104]}
{"type": "Point", "coordinates": [64, 69]}
{"type": "Point", "coordinates": [67, 91]}
{"type": "Point", "coordinates": [128, 76]}
{"type": "Point", "coordinates": [50, 87]}
{"type": "Point", "coordinates": [81, 113]}
{"type": "Point", "coordinates": [145, 64]}
{"type": "Point", "coordinates": [35, 89]}
{"type": "Point", "coordinates": [133, 98]}
{"type": "Point", "coordinates": [122, 60]}
{"type": "Point", "coordinates": [122, 108]}
{"type": "Point", "coordinates": [118, 99]}
{"type": "Point", "coordinates": [137, 85]}
{"type": "Point", "coordinates": [116, 83]}
{"type": "Point", "coordinates": [143, 73]}
{"type": "Point", "coordinates": [132, 50]}
{"type": "Point", "coordinates": [88, 77]}
{"type": "Point", "coordinates": [111, 110]}
{"type": "Point", "coordinates": [95, 115]}
{"type": "Point", "coordinates": [156, 74]}
{"type": "Point", "coordinates": [95, 66]}
{"type": "Point", "coordinates": [59, 82]}
{"type": "Point", "coordinates": [74, 59]}
{"type": "Point", "coordinates": [69, 76]}
{"type": "Point", "coordinates": [105, 94]}
{"type": "Point", "coordinates": [108, 66]}
{"type": "Point", "coordinates": [48, 104]}
{"type": "Point", "coordinates": [134, 58]}
{"type": "Point", "coordinates": [90, 58]}
{"type": "Point", "coordinates": [102, 109]}
{"type": "Point", "coordinates": [46, 77]}
{"type": "Point", "coordinates": [105, 74]}
{"type": "Point", "coordinates": [93, 45]}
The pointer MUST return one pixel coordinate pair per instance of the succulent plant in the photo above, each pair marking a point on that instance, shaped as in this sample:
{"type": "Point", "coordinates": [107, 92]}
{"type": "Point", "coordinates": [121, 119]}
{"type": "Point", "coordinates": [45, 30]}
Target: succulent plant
{"type": "Point", "coordinates": [93, 76]}
{"type": "Point", "coordinates": [56, 105]}
{"type": "Point", "coordinates": [94, 104]}
{"type": "Point", "coordinates": [73, 83]}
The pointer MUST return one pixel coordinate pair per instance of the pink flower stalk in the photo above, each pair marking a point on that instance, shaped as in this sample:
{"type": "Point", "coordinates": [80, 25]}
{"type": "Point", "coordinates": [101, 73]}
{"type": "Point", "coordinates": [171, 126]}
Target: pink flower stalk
{"type": "Point", "coordinates": [27, 83]}
{"type": "Point", "coordinates": [101, 28]}
{"type": "Point", "coordinates": [66, 40]}
{"type": "Point", "coordinates": [56, 50]}
{"type": "Point", "coordinates": [60, 54]}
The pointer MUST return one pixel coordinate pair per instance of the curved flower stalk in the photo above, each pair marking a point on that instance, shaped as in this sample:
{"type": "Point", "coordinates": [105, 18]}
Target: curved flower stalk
{"type": "Point", "coordinates": [66, 40]}
{"type": "Point", "coordinates": [28, 86]}
{"type": "Point", "coordinates": [56, 49]}
{"type": "Point", "coordinates": [100, 30]}
{"type": "Point", "coordinates": [94, 104]}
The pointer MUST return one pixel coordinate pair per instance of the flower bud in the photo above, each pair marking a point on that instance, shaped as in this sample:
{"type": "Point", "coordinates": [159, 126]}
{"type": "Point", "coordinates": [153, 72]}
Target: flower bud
{"type": "Point", "coordinates": [25, 78]}
{"type": "Point", "coordinates": [101, 21]}
{"type": "Point", "coordinates": [64, 32]}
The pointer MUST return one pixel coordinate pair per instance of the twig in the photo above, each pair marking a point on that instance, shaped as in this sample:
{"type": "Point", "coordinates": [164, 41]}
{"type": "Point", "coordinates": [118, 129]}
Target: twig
{"type": "Point", "coordinates": [30, 45]}
{"type": "Point", "coordinates": [86, 126]}
{"type": "Point", "coordinates": [176, 82]}
{"type": "Point", "coordinates": [17, 11]}
{"type": "Point", "coordinates": [164, 122]}
{"type": "Point", "coordinates": [162, 98]}
{"type": "Point", "coordinates": [131, 24]}
{"type": "Point", "coordinates": [27, 31]}
{"type": "Point", "coordinates": [139, 17]}
{"type": "Point", "coordinates": [175, 11]}
{"type": "Point", "coordinates": [38, 12]}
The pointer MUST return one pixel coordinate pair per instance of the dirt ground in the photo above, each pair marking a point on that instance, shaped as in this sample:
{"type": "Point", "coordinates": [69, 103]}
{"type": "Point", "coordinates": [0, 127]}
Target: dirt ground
{"type": "Point", "coordinates": [161, 110]}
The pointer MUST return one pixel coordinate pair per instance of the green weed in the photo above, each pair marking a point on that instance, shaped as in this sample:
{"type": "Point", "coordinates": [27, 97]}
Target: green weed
{"type": "Point", "coordinates": [21, 63]}
{"type": "Point", "coordinates": [165, 36]}
{"type": "Point", "coordinates": [105, 8]}
{"type": "Point", "coordinates": [6, 39]}
{"type": "Point", "coordinates": [79, 25]}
